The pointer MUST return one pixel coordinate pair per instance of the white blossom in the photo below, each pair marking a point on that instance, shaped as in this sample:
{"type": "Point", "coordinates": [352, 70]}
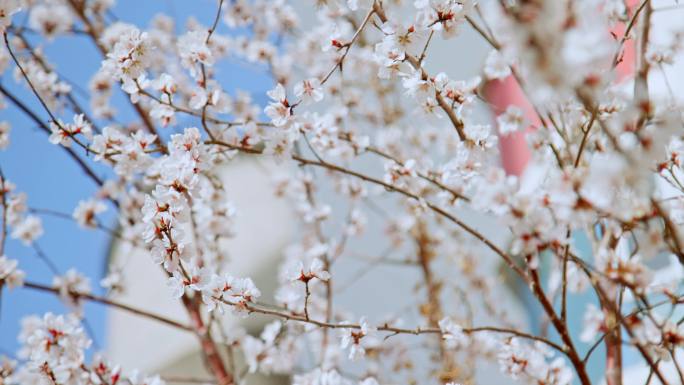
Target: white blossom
{"type": "Point", "coordinates": [70, 285]}
{"type": "Point", "coordinates": [512, 120]}
{"type": "Point", "coordinates": [452, 333]}
{"type": "Point", "coordinates": [594, 323]}
{"type": "Point", "coordinates": [318, 376]}
{"type": "Point", "coordinates": [4, 135]}
{"type": "Point", "coordinates": [309, 90]}
{"type": "Point", "coordinates": [28, 229]}
{"type": "Point", "coordinates": [7, 9]}
{"type": "Point", "coordinates": [193, 49]}
{"type": "Point", "coordinates": [523, 361]}
{"type": "Point", "coordinates": [353, 339]}
{"type": "Point", "coordinates": [10, 274]}
{"type": "Point", "coordinates": [315, 270]}
{"type": "Point", "coordinates": [86, 211]}
{"type": "Point", "coordinates": [54, 346]}
{"type": "Point", "coordinates": [113, 282]}
{"type": "Point", "coordinates": [129, 57]}
{"type": "Point", "coordinates": [279, 110]}
{"type": "Point", "coordinates": [51, 18]}
{"type": "Point", "coordinates": [495, 67]}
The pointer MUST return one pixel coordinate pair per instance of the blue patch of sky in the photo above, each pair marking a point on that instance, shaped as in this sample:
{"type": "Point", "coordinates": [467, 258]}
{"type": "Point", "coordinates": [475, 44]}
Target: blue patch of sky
{"type": "Point", "coordinates": [52, 179]}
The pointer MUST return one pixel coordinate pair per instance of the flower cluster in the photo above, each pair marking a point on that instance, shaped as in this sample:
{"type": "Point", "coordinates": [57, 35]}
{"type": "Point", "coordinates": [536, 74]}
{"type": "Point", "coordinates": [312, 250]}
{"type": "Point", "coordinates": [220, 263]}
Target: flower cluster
{"type": "Point", "coordinates": [128, 59]}
{"type": "Point", "coordinates": [530, 362]}
{"type": "Point", "coordinates": [221, 291]}
{"type": "Point", "coordinates": [62, 133]}
{"type": "Point", "coordinates": [55, 347]}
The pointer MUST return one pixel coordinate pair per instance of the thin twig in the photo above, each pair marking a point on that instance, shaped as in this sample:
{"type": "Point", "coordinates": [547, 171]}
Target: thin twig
{"type": "Point", "coordinates": [106, 301]}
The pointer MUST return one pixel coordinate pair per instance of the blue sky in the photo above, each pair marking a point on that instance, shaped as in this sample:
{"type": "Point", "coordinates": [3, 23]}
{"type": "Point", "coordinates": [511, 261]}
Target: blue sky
{"type": "Point", "coordinates": [53, 181]}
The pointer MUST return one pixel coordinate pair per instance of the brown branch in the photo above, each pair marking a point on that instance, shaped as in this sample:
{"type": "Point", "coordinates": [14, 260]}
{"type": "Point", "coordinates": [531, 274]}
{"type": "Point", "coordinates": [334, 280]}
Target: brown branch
{"type": "Point", "coordinates": [585, 136]}
{"type": "Point", "coordinates": [671, 228]}
{"type": "Point", "coordinates": [432, 309]}
{"type": "Point", "coordinates": [3, 233]}
{"type": "Point", "coordinates": [416, 64]}
{"type": "Point", "coordinates": [32, 115]}
{"type": "Point", "coordinates": [94, 35]}
{"type": "Point", "coordinates": [425, 177]}
{"type": "Point", "coordinates": [69, 96]}
{"type": "Point", "coordinates": [209, 349]}
{"type": "Point", "coordinates": [347, 46]}
{"type": "Point", "coordinates": [391, 329]}
{"type": "Point", "coordinates": [628, 30]}
{"type": "Point", "coordinates": [333, 167]}
{"type": "Point", "coordinates": [561, 328]}
{"type": "Point", "coordinates": [569, 349]}
{"type": "Point", "coordinates": [198, 114]}
{"type": "Point", "coordinates": [115, 304]}
{"type": "Point", "coordinates": [204, 71]}
{"type": "Point", "coordinates": [53, 119]}
{"type": "Point", "coordinates": [641, 95]}
{"type": "Point", "coordinates": [624, 321]}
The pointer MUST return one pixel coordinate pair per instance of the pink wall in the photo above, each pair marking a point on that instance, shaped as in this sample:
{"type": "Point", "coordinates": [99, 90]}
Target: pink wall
{"type": "Point", "coordinates": [503, 93]}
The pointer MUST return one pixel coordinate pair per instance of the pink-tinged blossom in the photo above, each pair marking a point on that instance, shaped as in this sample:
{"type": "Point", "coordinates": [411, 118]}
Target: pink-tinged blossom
{"type": "Point", "coordinates": [444, 16]}
{"type": "Point", "coordinates": [279, 110]}
{"type": "Point", "coordinates": [63, 133]}
{"type": "Point", "coordinates": [353, 339]}
{"type": "Point", "coordinates": [314, 270]}
{"type": "Point", "coordinates": [309, 91]}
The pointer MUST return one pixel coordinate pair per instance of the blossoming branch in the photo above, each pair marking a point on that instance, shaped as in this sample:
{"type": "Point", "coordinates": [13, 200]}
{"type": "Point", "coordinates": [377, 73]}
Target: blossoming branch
{"type": "Point", "coordinates": [370, 133]}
